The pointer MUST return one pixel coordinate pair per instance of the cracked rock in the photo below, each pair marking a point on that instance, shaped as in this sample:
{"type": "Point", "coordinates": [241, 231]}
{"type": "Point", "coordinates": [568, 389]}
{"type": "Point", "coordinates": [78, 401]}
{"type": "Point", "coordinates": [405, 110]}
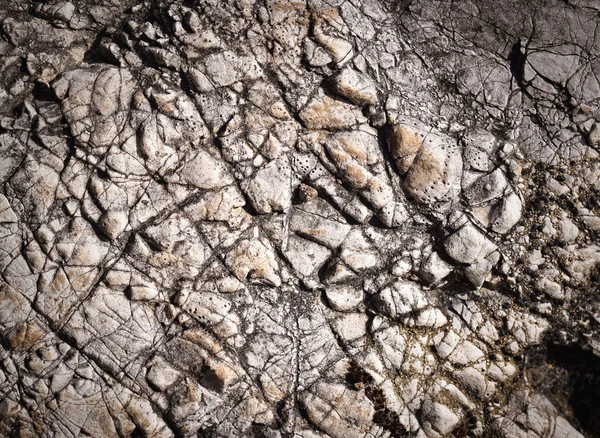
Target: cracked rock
{"type": "Point", "coordinates": [467, 245]}
{"type": "Point", "coordinates": [355, 87]}
{"type": "Point", "coordinates": [283, 218]}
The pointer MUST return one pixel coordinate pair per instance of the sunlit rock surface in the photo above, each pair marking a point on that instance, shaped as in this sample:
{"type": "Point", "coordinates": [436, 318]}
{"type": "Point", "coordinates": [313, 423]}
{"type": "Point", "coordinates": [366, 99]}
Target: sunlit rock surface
{"type": "Point", "coordinates": [309, 219]}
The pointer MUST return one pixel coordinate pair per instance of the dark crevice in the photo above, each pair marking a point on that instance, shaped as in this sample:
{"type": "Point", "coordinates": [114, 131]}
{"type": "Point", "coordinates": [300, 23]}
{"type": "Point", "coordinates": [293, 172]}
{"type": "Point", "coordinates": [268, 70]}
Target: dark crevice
{"type": "Point", "coordinates": [388, 420]}
{"type": "Point", "coordinates": [569, 375]}
{"type": "Point", "coordinates": [516, 60]}
{"type": "Point", "coordinates": [93, 55]}
{"type": "Point", "coordinates": [43, 92]}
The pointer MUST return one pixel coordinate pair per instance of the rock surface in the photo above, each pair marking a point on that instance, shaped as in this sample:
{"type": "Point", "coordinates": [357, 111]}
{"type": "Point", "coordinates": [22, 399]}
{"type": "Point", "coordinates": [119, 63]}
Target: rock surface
{"type": "Point", "coordinates": [282, 218]}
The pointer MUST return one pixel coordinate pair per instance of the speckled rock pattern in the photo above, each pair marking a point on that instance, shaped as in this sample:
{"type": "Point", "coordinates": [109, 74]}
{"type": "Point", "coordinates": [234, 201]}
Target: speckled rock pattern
{"type": "Point", "coordinates": [300, 219]}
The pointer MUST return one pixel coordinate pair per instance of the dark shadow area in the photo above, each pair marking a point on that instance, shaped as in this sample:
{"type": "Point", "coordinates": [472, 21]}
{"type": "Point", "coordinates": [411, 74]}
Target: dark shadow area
{"type": "Point", "coordinates": [43, 92]}
{"type": "Point", "coordinates": [570, 377]}
{"type": "Point", "coordinates": [357, 378]}
{"type": "Point", "coordinates": [93, 55]}
{"type": "Point", "coordinates": [517, 63]}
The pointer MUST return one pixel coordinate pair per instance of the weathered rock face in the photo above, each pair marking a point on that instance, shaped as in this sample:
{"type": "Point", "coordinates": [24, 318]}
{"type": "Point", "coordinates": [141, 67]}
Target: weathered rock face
{"type": "Point", "coordinates": [431, 162]}
{"type": "Point", "coordinates": [281, 218]}
{"type": "Point", "coordinates": [354, 86]}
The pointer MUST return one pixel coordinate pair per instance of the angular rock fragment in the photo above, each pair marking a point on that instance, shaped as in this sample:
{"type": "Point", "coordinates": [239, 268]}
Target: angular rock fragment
{"type": "Point", "coordinates": [318, 221]}
{"type": "Point", "coordinates": [161, 375]}
{"type": "Point", "coordinates": [467, 245]}
{"type": "Point", "coordinates": [507, 214]}
{"type": "Point", "coordinates": [270, 188]}
{"type": "Point", "coordinates": [401, 298]}
{"type": "Point", "coordinates": [323, 112]}
{"type": "Point", "coordinates": [205, 172]}
{"type": "Point", "coordinates": [486, 188]}
{"type": "Point", "coordinates": [358, 253]}
{"type": "Point", "coordinates": [305, 256]}
{"type": "Point", "coordinates": [432, 163]}
{"type": "Point", "coordinates": [435, 269]}
{"type": "Point", "coordinates": [355, 87]}
{"type": "Point", "coordinates": [340, 49]}
{"type": "Point", "coordinates": [338, 411]}
{"type": "Point", "coordinates": [253, 260]}
{"type": "Point", "coordinates": [344, 297]}
{"type": "Point", "coordinates": [350, 327]}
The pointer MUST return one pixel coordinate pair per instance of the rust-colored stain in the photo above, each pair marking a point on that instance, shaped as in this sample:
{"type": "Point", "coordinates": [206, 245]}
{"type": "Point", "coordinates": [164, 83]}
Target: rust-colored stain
{"type": "Point", "coordinates": [404, 145]}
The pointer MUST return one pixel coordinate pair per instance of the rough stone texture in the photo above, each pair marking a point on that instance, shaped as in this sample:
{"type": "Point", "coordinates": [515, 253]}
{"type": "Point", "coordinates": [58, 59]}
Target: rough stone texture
{"type": "Point", "coordinates": [299, 219]}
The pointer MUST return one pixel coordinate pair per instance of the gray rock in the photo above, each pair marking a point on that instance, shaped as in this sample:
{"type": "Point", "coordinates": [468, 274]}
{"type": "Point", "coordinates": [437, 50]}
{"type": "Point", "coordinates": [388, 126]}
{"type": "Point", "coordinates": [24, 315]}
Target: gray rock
{"type": "Point", "coordinates": [205, 172]}
{"type": "Point", "coordinates": [285, 218]}
{"type": "Point", "coordinates": [401, 298]}
{"type": "Point", "coordinates": [344, 297]}
{"type": "Point", "coordinates": [435, 269]}
{"type": "Point", "coordinates": [355, 87]}
{"type": "Point", "coordinates": [486, 188]}
{"type": "Point", "coordinates": [162, 375]}
{"type": "Point", "coordinates": [269, 189]}
{"type": "Point", "coordinates": [467, 245]}
{"type": "Point", "coordinates": [594, 135]}
{"type": "Point", "coordinates": [507, 214]}
{"type": "Point", "coordinates": [318, 221]}
{"type": "Point", "coordinates": [305, 256]}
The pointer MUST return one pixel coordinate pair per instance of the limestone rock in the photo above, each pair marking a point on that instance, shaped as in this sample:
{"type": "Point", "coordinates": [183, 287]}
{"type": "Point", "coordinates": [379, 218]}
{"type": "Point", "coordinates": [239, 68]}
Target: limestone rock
{"type": "Point", "coordinates": [324, 112]}
{"type": "Point", "coordinates": [344, 297]}
{"type": "Point", "coordinates": [253, 260]}
{"type": "Point", "coordinates": [270, 188]}
{"type": "Point", "coordinates": [288, 218]}
{"type": "Point", "coordinates": [467, 244]}
{"type": "Point", "coordinates": [355, 87]}
{"type": "Point", "coordinates": [432, 162]}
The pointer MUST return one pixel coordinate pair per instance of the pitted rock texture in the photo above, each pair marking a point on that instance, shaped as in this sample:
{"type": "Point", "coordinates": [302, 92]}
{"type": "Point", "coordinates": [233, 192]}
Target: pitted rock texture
{"type": "Point", "coordinates": [307, 219]}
